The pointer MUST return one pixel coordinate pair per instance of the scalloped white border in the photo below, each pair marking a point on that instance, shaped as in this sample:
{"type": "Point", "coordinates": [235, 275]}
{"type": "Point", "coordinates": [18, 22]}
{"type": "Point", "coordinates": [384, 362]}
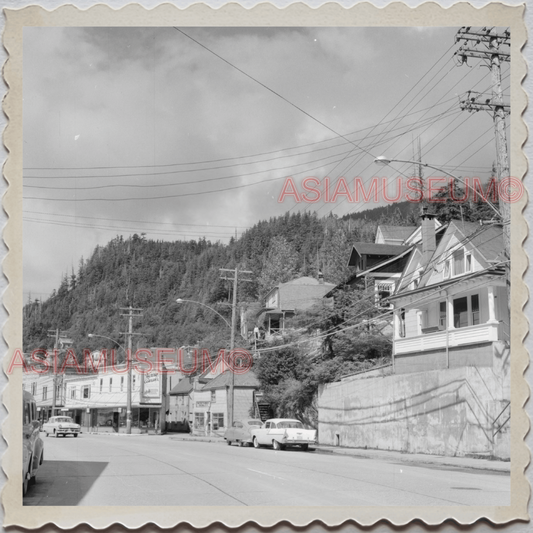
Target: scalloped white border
{"type": "Point", "coordinates": [365, 14]}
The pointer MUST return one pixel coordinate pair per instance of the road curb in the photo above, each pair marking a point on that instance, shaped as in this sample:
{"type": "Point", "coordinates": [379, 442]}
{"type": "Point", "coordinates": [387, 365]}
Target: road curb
{"type": "Point", "coordinates": [472, 464]}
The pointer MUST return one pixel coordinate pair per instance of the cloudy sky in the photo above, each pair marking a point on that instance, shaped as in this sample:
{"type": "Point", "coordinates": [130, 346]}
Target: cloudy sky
{"type": "Point", "coordinates": [190, 132]}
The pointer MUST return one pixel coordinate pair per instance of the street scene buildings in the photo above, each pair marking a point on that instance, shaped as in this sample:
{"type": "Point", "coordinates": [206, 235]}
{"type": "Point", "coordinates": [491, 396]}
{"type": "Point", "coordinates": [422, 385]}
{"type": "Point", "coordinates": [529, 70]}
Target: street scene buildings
{"type": "Point", "coordinates": [226, 281]}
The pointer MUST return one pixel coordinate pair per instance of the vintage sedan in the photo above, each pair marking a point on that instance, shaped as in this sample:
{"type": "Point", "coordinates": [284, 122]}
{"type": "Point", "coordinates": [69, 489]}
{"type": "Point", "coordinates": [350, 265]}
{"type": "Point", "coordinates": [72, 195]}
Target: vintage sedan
{"type": "Point", "coordinates": [241, 432]}
{"type": "Point", "coordinates": [32, 444]}
{"type": "Point", "coordinates": [61, 425]}
{"type": "Point", "coordinates": [282, 432]}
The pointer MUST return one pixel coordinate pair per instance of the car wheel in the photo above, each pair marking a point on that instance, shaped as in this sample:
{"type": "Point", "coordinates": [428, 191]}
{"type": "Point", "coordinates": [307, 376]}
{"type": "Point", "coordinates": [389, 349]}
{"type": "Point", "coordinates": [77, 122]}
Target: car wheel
{"type": "Point", "coordinates": [256, 443]}
{"type": "Point", "coordinates": [47, 434]}
{"type": "Point", "coordinates": [228, 442]}
{"type": "Point", "coordinates": [305, 447]}
{"type": "Point", "coordinates": [241, 443]}
{"type": "Point", "coordinates": [277, 445]}
{"type": "Point", "coordinates": [75, 434]}
{"type": "Point", "coordinates": [55, 434]}
{"type": "Point", "coordinates": [26, 481]}
{"type": "Point", "coordinates": [42, 459]}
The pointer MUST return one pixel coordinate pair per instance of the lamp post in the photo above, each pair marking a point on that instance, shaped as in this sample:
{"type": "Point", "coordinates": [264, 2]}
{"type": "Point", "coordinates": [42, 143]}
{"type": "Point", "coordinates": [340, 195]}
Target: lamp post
{"type": "Point", "coordinates": [128, 384]}
{"type": "Point", "coordinates": [181, 300]}
{"type": "Point", "coordinates": [232, 346]}
{"type": "Point", "coordinates": [382, 160]}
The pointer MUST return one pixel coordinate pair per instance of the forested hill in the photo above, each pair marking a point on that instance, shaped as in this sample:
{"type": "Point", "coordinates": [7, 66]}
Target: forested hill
{"type": "Point", "coordinates": [151, 274]}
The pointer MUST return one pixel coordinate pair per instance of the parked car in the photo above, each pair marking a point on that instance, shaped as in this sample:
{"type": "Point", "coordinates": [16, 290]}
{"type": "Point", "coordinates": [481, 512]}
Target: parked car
{"type": "Point", "coordinates": [241, 432]}
{"type": "Point", "coordinates": [283, 432]}
{"type": "Point", "coordinates": [61, 425]}
{"type": "Point", "coordinates": [32, 444]}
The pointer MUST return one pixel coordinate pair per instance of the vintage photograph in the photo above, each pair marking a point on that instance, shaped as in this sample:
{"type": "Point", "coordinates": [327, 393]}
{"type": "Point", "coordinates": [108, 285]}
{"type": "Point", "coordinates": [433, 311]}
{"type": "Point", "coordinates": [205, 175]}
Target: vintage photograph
{"type": "Point", "coordinates": [267, 266]}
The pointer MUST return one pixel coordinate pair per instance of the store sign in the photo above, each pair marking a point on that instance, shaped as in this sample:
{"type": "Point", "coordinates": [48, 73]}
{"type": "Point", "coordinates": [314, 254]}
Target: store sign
{"type": "Point", "coordinates": [151, 387]}
{"type": "Point", "coordinates": [202, 404]}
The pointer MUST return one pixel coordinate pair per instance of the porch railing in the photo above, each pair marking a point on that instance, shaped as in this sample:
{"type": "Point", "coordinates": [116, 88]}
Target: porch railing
{"type": "Point", "coordinates": [456, 337]}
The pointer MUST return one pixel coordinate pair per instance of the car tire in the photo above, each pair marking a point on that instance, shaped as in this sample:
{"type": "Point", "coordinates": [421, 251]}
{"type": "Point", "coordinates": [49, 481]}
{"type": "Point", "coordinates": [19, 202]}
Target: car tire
{"type": "Point", "coordinates": [228, 442]}
{"type": "Point", "coordinates": [241, 443]}
{"type": "Point", "coordinates": [256, 443]}
{"type": "Point", "coordinates": [75, 434]}
{"type": "Point", "coordinates": [47, 434]}
{"type": "Point", "coordinates": [55, 434]}
{"type": "Point", "coordinates": [305, 447]}
{"type": "Point", "coordinates": [26, 481]}
{"type": "Point", "coordinates": [41, 460]}
{"type": "Point", "coordinates": [277, 445]}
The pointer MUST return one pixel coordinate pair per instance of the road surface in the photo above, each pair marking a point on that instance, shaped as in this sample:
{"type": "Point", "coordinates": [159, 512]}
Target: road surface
{"type": "Point", "coordinates": [159, 470]}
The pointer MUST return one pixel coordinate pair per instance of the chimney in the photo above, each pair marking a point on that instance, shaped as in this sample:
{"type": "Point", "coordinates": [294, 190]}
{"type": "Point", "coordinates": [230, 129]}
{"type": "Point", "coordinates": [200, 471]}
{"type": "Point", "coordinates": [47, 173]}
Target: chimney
{"type": "Point", "coordinates": [320, 277]}
{"type": "Point", "coordinates": [429, 241]}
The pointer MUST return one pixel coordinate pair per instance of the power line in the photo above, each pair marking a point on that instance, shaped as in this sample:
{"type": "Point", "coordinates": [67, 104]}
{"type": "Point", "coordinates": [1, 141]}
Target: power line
{"type": "Point", "coordinates": [330, 139]}
{"type": "Point", "coordinates": [271, 90]}
{"type": "Point", "coordinates": [135, 221]}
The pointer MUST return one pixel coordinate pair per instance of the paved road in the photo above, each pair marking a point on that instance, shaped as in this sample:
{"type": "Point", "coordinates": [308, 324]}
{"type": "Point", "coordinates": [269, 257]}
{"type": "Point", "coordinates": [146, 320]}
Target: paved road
{"type": "Point", "coordinates": [157, 470]}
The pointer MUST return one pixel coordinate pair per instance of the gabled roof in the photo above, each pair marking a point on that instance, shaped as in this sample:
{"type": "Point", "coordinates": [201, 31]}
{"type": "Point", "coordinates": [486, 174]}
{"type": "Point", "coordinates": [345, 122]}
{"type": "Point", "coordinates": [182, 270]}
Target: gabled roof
{"type": "Point", "coordinates": [488, 240]}
{"type": "Point", "coordinates": [241, 380]}
{"type": "Point", "coordinates": [371, 248]}
{"type": "Point", "coordinates": [183, 387]}
{"type": "Point", "coordinates": [485, 241]}
{"type": "Point", "coordinates": [396, 232]}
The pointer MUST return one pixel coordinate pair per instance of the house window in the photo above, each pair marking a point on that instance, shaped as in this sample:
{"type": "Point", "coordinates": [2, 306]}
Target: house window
{"type": "Point", "coordinates": [86, 391]}
{"type": "Point", "coordinates": [101, 384]}
{"type": "Point", "coordinates": [460, 312]}
{"type": "Point", "coordinates": [73, 393]}
{"type": "Point", "coordinates": [447, 267]}
{"type": "Point", "coordinates": [213, 396]}
{"type": "Point", "coordinates": [218, 420]}
{"type": "Point", "coordinates": [475, 308]}
{"type": "Point", "coordinates": [458, 262]}
{"type": "Point", "coordinates": [133, 377]}
{"type": "Point", "coordinates": [402, 323]}
{"type": "Point", "coordinates": [121, 383]}
{"type": "Point", "coordinates": [110, 384]}
{"type": "Point", "coordinates": [468, 267]}
{"type": "Point", "coordinates": [34, 388]}
{"type": "Point", "coordinates": [442, 315]}
{"type": "Point", "coordinates": [45, 393]}
{"type": "Point", "coordinates": [199, 420]}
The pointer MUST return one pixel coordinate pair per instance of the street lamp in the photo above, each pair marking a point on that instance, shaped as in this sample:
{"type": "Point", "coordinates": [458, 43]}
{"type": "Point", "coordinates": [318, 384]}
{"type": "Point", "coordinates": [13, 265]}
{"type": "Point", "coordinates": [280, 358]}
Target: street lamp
{"type": "Point", "coordinates": [382, 160]}
{"type": "Point", "coordinates": [181, 300]}
{"type": "Point", "coordinates": [128, 384]}
{"type": "Point", "coordinates": [232, 346]}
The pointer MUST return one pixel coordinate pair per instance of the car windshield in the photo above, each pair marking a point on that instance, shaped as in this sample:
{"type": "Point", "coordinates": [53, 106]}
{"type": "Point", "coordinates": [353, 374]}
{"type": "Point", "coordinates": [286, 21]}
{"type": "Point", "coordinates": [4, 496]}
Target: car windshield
{"type": "Point", "coordinates": [64, 419]}
{"type": "Point", "coordinates": [255, 423]}
{"type": "Point", "coordinates": [290, 424]}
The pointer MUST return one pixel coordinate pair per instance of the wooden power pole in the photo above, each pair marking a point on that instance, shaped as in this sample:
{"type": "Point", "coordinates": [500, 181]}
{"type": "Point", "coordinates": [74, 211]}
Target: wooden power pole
{"type": "Point", "coordinates": [235, 279]}
{"type": "Point", "coordinates": [493, 48]}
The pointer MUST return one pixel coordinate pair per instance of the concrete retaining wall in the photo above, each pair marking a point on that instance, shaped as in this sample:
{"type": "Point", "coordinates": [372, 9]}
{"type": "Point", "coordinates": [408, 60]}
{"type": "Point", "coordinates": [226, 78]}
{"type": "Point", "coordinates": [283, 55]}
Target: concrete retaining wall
{"type": "Point", "coordinates": [455, 412]}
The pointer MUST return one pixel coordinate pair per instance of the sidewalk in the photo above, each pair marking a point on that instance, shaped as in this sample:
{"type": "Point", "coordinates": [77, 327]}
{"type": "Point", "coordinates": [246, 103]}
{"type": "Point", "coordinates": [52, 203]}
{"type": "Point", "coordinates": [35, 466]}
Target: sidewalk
{"type": "Point", "coordinates": [415, 459]}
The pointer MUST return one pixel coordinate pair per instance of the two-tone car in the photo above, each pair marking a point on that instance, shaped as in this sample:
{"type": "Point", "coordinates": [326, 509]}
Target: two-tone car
{"type": "Point", "coordinates": [241, 431]}
{"type": "Point", "coordinates": [61, 425]}
{"type": "Point", "coordinates": [32, 444]}
{"type": "Point", "coordinates": [282, 432]}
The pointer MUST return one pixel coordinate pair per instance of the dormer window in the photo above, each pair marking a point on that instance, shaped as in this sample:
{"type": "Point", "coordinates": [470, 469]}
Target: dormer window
{"type": "Point", "coordinates": [458, 262]}
{"type": "Point", "coordinates": [468, 259]}
{"type": "Point", "coordinates": [447, 268]}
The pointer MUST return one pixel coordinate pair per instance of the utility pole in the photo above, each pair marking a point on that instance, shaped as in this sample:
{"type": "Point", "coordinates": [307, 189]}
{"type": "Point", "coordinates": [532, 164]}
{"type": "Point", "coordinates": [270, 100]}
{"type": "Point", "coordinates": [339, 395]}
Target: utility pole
{"type": "Point", "coordinates": [132, 312]}
{"type": "Point", "coordinates": [487, 47]}
{"type": "Point", "coordinates": [231, 396]}
{"type": "Point", "coordinates": [54, 333]}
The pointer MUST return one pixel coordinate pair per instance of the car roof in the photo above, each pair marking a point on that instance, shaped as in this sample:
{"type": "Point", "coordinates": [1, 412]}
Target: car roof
{"type": "Point", "coordinates": [282, 420]}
